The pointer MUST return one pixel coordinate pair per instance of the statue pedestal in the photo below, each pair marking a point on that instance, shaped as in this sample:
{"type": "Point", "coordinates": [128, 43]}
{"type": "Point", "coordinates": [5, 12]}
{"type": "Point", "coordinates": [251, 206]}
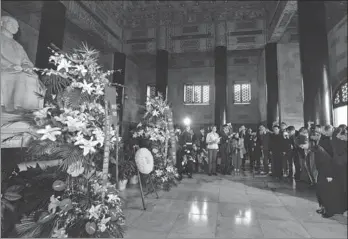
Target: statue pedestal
{"type": "Point", "coordinates": [11, 130]}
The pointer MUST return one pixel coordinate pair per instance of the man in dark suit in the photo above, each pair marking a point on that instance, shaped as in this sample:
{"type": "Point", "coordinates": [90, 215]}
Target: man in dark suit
{"type": "Point", "coordinates": [263, 140]}
{"type": "Point", "coordinates": [293, 157]}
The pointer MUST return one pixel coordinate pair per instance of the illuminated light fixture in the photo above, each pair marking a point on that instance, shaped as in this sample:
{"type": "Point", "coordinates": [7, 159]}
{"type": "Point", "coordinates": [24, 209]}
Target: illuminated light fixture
{"type": "Point", "coordinates": [187, 121]}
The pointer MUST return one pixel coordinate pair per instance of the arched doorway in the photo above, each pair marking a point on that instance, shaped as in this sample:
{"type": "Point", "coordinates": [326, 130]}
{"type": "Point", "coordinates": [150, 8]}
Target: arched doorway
{"type": "Point", "coordinates": [340, 105]}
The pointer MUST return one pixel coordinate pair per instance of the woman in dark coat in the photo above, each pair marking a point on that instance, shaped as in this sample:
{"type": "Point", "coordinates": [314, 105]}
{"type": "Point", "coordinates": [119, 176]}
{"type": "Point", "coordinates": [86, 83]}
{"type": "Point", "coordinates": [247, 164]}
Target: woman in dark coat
{"type": "Point", "coordinates": [339, 143]}
{"type": "Point", "coordinates": [327, 187]}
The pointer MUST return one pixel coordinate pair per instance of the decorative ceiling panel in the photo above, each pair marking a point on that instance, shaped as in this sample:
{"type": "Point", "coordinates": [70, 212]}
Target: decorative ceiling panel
{"type": "Point", "coordinates": [190, 12]}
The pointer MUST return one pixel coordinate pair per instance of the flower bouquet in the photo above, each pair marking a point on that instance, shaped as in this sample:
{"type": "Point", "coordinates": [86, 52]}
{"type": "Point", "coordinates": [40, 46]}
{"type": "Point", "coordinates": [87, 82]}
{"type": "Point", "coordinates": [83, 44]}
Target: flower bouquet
{"type": "Point", "coordinates": [74, 129]}
{"type": "Point", "coordinates": [154, 130]}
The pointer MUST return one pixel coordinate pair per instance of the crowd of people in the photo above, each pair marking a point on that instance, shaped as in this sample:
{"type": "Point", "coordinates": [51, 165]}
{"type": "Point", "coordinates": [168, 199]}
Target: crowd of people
{"type": "Point", "coordinates": [314, 154]}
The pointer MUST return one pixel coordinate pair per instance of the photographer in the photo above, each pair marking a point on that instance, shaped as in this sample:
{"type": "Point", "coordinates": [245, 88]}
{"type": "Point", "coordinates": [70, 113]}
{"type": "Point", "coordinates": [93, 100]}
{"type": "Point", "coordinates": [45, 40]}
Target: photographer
{"type": "Point", "coordinates": [186, 142]}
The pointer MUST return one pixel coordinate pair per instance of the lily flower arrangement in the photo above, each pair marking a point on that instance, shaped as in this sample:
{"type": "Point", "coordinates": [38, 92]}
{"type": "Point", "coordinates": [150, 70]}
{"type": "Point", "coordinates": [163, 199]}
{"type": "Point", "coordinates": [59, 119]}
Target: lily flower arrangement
{"type": "Point", "coordinates": [71, 128]}
{"type": "Point", "coordinates": [153, 129]}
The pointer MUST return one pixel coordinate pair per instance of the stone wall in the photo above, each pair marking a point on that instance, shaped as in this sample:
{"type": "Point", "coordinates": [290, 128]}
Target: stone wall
{"type": "Point", "coordinates": [290, 84]}
{"type": "Point", "coordinates": [28, 34]}
{"type": "Point", "coordinates": [199, 114]}
{"type": "Point", "coordinates": [337, 38]}
{"type": "Point", "coordinates": [249, 113]}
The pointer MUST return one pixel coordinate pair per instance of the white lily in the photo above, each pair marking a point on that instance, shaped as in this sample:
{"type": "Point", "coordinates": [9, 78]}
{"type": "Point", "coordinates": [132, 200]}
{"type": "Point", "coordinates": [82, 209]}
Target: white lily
{"type": "Point", "coordinates": [82, 69]}
{"type": "Point", "coordinates": [41, 114]}
{"type": "Point", "coordinates": [49, 133]}
{"type": "Point", "coordinates": [94, 211]}
{"type": "Point", "coordinates": [75, 124]}
{"type": "Point", "coordinates": [99, 135]}
{"type": "Point", "coordinates": [63, 64]}
{"type": "Point", "coordinates": [102, 224]}
{"type": "Point", "coordinates": [87, 87]}
{"type": "Point", "coordinates": [88, 146]}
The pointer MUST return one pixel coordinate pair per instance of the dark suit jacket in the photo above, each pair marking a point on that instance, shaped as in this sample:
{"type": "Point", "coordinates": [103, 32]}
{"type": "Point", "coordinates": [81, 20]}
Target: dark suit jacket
{"type": "Point", "coordinates": [186, 137]}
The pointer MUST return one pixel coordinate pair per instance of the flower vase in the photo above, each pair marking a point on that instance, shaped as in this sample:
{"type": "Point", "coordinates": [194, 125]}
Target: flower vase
{"type": "Point", "coordinates": [134, 180]}
{"type": "Point", "coordinates": [122, 184]}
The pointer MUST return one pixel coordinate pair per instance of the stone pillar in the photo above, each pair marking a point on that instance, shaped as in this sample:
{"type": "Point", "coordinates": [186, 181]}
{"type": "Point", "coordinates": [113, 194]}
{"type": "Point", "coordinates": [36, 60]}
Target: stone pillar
{"type": "Point", "coordinates": [220, 74]}
{"type": "Point", "coordinates": [119, 78]}
{"type": "Point", "coordinates": [314, 54]}
{"type": "Point", "coordinates": [161, 61]}
{"type": "Point", "coordinates": [272, 84]}
{"type": "Point", "coordinates": [52, 29]}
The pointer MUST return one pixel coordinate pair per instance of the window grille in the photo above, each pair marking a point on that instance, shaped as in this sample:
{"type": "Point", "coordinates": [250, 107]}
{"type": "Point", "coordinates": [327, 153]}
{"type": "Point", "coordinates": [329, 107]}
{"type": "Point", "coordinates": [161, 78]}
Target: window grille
{"type": "Point", "coordinates": [196, 94]}
{"type": "Point", "coordinates": [242, 93]}
{"type": "Point", "coordinates": [341, 95]}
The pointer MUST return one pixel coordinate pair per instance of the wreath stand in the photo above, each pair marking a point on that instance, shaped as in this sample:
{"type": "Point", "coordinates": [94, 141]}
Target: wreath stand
{"type": "Point", "coordinates": [142, 192]}
{"type": "Point", "coordinates": [170, 129]}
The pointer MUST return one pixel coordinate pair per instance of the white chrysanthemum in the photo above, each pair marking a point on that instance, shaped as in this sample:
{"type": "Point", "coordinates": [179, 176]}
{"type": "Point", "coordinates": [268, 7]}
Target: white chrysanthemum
{"type": "Point", "coordinates": [144, 160]}
{"type": "Point", "coordinates": [158, 172]}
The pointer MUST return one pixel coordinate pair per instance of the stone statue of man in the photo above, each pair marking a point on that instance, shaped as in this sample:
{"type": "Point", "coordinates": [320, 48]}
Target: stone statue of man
{"type": "Point", "coordinates": [18, 81]}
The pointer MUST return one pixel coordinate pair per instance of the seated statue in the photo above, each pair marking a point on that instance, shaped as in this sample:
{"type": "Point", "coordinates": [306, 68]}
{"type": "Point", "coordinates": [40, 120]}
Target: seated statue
{"type": "Point", "coordinates": [18, 81]}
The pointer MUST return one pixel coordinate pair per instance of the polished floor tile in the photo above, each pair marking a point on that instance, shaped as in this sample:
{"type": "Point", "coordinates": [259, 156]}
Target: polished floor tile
{"type": "Point", "coordinates": [155, 221]}
{"type": "Point", "coordinates": [194, 226]}
{"type": "Point", "coordinates": [282, 229]}
{"type": "Point", "coordinates": [326, 230]}
{"type": "Point", "coordinates": [238, 227]}
{"type": "Point", "coordinates": [229, 207]}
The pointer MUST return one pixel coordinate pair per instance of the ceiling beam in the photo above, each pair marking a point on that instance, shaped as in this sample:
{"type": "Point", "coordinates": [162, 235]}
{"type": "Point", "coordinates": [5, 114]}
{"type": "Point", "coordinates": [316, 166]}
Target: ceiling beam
{"type": "Point", "coordinates": [281, 17]}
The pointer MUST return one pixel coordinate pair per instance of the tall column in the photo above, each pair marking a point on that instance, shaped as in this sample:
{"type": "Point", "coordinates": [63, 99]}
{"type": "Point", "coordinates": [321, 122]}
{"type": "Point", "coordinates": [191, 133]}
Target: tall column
{"type": "Point", "coordinates": [221, 89]}
{"type": "Point", "coordinates": [314, 54]}
{"type": "Point", "coordinates": [119, 78]}
{"type": "Point", "coordinates": [52, 28]}
{"type": "Point", "coordinates": [272, 83]}
{"type": "Point", "coordinates": [161, 62]}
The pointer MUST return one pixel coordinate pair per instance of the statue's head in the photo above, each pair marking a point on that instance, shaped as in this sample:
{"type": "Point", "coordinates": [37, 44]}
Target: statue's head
{"type": "Point", "coordinates": [10, 24]}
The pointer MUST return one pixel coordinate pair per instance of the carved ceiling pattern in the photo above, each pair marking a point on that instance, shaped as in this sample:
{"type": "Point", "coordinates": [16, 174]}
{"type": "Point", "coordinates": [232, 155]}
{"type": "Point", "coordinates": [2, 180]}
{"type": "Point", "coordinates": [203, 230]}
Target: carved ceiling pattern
{"type": "Point", "coordinates": [150, 13]}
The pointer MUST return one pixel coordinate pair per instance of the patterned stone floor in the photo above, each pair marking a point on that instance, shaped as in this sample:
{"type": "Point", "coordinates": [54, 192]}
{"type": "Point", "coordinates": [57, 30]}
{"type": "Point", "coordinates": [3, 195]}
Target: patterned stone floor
{"type": "Point", "coordinates": [230, 207]}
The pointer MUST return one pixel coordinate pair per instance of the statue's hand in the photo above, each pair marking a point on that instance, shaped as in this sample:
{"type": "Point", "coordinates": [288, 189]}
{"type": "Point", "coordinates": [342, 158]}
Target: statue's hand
{"type": "Point", "coordinates": [18, 68]}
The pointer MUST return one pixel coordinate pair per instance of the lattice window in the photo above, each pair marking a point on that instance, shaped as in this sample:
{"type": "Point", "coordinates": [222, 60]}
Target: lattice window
{"type": "Point", "coordinates": [196, 94]}
{"type": "Point", "coordinates": [150, 91]}
{"type": "Point", "coordinates": [242, 93]}
{"type": "Point", "coordinates": [341, 95]}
